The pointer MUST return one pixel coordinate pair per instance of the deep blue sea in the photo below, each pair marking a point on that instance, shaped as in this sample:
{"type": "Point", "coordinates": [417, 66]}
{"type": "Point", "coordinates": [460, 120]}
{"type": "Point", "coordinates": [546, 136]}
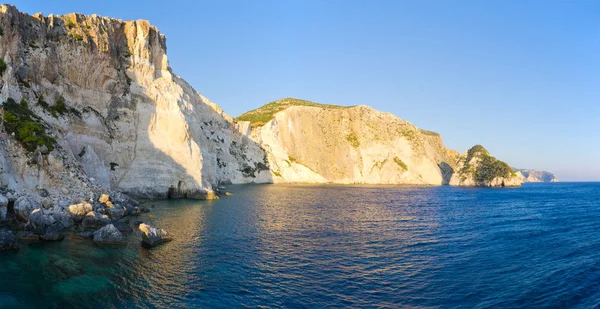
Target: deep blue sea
{"type": "Point", "coordinates": [301, 246]}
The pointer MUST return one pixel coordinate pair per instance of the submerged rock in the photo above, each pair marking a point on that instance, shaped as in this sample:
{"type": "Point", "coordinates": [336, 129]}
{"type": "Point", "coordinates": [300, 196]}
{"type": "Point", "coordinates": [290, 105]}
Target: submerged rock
{"type": "Point", "coordinates": [109, 234]}
{"type": "Point", "coordinates": [8, 240]}
{"type": "Point", "coordinates": [153, 236]}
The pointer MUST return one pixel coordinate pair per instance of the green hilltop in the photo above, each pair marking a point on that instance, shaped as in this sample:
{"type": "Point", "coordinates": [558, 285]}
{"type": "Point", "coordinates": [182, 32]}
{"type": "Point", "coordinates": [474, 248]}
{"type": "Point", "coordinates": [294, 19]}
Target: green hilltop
{"type": "Point", "coordinates": [263, 114]}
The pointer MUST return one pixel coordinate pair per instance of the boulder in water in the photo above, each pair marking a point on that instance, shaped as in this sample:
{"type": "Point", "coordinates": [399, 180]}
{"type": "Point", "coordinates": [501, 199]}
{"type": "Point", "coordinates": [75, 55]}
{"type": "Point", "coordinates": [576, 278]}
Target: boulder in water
{"type": "Point", "coordinates": [152, 236]}
{"type": "Point", "coordinates": [109, 234]}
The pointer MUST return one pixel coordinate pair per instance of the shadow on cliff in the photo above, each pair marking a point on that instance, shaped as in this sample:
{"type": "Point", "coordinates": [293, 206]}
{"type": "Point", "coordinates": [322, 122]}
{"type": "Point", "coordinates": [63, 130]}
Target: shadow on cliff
{"type": "Point", "coordinates": [447, 172]}
{"type": "Point", "coordinates": [174, 173]}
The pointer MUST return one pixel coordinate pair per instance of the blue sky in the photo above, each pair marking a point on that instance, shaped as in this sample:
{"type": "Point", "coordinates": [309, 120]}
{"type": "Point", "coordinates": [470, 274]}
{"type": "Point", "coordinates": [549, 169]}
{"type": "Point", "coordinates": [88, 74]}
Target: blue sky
{"type": "Point", "coordinates": [521, 78]}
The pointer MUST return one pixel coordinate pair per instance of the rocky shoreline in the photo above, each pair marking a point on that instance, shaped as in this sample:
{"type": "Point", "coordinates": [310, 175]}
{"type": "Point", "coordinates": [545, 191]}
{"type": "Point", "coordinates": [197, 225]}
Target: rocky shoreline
{"type": "Point", "coordinates": [103, 218]}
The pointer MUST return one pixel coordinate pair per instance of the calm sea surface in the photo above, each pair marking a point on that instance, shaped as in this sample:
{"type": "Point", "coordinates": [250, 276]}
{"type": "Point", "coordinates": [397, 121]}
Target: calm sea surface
{"type": "Point", "coordinates": [281, 246]}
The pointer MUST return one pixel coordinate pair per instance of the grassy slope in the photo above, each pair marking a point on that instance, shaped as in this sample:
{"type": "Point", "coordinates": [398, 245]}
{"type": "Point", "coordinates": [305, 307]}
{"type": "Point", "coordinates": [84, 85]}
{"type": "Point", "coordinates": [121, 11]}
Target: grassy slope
{"type": "Point", "coordinates": [262, 115]}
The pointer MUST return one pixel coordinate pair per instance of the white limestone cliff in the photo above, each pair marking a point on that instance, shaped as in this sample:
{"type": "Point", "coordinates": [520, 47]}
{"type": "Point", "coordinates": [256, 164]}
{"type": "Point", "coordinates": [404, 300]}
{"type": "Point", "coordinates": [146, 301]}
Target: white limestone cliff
{"type": "Point", "coordinates": [324, 144]}
{"type": "Point", "coordinates": [138, 127]}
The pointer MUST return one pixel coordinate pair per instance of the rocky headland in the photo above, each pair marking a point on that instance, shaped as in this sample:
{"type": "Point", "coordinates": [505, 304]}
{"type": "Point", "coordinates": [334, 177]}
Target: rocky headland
{"type": "Point", "coordinates": [536, 176]}
{"type": "Point", "coordinates": [92, 116]}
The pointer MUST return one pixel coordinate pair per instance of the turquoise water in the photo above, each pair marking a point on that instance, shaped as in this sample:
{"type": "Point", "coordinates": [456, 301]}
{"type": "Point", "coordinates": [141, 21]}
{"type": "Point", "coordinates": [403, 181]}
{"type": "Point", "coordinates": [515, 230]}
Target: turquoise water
{"type": "Point", "coordinates": [285, 246]}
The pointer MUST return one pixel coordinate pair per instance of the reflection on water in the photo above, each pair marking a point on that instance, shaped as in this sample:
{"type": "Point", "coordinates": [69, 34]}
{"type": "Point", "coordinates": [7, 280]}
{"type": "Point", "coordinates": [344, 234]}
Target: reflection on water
{"type": "Point", "coordinates": [333, 246]}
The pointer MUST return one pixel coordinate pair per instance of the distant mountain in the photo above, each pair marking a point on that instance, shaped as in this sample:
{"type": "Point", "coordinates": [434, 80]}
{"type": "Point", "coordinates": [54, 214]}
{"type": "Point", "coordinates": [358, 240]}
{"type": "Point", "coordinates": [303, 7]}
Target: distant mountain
{"type": "Point", "coordinates": [536, 176]}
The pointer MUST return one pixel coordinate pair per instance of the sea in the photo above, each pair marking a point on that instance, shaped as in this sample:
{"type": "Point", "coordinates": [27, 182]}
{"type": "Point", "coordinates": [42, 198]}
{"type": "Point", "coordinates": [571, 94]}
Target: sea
{"type": "Point", "coordinates": [333, 246]}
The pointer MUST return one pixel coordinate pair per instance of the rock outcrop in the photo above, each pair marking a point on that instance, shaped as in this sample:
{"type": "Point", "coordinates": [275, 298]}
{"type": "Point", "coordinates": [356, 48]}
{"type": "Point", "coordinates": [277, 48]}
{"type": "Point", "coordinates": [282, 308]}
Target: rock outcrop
{"type": "Point", "coordinates": [536, 176]}
{"type": "Point", "coordinates": [477, 167]}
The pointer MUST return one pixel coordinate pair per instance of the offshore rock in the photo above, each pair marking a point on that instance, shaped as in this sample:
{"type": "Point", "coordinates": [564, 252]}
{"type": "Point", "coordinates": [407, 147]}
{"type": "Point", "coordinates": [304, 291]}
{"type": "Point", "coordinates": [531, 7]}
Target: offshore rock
{"type": "Point", "coordinates": [152, 236]}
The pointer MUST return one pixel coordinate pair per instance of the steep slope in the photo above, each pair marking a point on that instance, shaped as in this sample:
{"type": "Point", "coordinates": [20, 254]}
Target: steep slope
{"type": "Point", "coordinates": [103, 92]}
{"type": "Point", "coordinates": [477, 167]}
{"type": "Point", "coordinates": [536, 176]}
{"type": "Point", "coordinates": [317, 143]}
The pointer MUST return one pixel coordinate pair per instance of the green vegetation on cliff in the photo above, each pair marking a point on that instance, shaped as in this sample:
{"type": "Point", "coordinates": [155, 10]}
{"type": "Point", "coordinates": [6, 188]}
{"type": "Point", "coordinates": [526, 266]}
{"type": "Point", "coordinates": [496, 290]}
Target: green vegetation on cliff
{"type": "Point", "coordinates": [27, 127]}
{"type": "Point", "coordinates": [264, 114]}
{"type": "Point", "coordinates": [488, 167]}
{"type": "Point", "coordinates": [401, 164]}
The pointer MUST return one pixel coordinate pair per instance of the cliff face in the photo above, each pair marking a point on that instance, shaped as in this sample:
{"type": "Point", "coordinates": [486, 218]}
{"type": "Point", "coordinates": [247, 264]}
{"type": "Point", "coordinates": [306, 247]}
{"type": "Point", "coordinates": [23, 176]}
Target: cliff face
{"type": "Point", "coordinates": [333, 144]}
{"type": "Point", "coordinates": [536, 176]}
{"type": "Point", "coordinates": [105, 93]}
{"type": "Point", "coordinates": [99, 109]}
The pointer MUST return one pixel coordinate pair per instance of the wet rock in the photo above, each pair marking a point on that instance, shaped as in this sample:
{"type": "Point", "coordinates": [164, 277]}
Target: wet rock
{"type": "Point", "coordinates": [8, 240]}
{"type": "Point", "coordinates": [109, 234]}
{"type": "Point", "coordinates": [27, 235]}
{"type": "Point", "coordinates": [123, 227]}
{"type": "Point", "coordinates": [144, 209]}
{"type": "Point", "coordinates": [24, 206]}
{"type": "Point", "coordinates": [152, 236]}
{"type": "Point", "coordinates": [86, 234]}
{"type": "Point", "coordinates": [80, 210]}
{"type": "Point", "coordinates": [3, 207]}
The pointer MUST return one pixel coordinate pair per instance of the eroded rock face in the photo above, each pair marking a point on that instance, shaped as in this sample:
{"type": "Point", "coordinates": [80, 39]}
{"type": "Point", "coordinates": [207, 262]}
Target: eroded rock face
{"type": "Point", "coordinates": [152, 236]}
{"type": "Point", "coordinates": [109, 234]}
{"type": "Point", "coordinates": [126, 123]}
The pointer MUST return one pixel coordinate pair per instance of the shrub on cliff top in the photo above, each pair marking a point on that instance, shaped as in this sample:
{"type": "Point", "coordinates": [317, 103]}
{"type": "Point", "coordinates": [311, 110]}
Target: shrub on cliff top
{"type": "Point", "coordinates": [27, 127]}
